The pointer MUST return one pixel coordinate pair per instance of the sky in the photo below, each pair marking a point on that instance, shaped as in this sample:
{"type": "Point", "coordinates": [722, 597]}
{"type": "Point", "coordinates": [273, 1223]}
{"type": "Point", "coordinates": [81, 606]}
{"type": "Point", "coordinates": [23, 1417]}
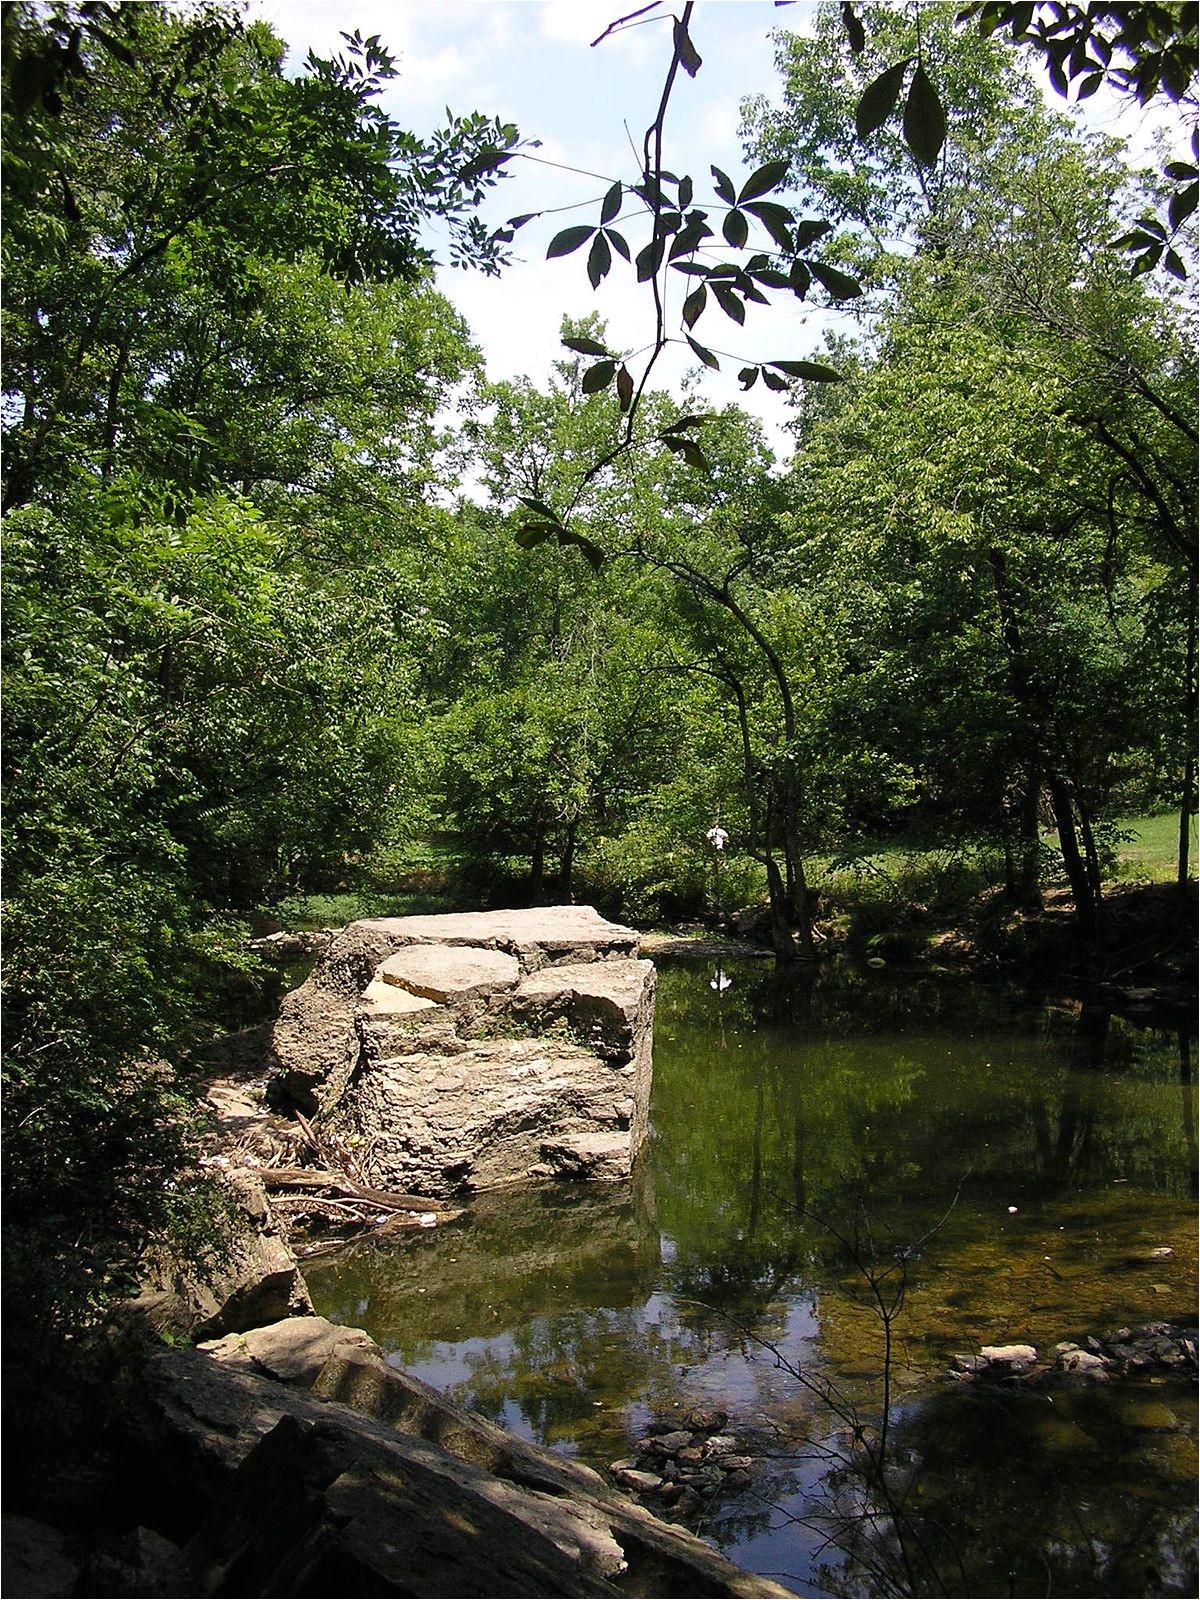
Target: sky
{"type": "Point", "coordinates": [532, 62]}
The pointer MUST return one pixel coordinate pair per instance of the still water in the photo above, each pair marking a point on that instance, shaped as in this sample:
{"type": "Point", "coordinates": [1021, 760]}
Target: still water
{"type": "Point", "coordinates": [999, 1169]}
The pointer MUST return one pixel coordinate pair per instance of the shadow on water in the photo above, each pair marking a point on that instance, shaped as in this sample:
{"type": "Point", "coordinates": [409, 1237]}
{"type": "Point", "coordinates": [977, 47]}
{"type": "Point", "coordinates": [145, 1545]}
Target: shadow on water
{"type": "Point", "coordinates": [1042, 1153]}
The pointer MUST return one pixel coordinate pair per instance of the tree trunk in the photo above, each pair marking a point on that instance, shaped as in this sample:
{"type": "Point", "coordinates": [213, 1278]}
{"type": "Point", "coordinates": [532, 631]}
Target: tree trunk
{"type": "Point", "coordinates": [1028, 878]}
{"type": "Point", "coordinates": [1187, 787]}
{"type": "Point", "coordinates": [567, 865]}
{"type": "Point", "coordinates": [537, 865]}
{"type": "Point", "coordinates": [1092, 863]}
{"type": "Point", "coordinates": [1077, 876]}
{"type": "Point", "coordinates": [781, 933]}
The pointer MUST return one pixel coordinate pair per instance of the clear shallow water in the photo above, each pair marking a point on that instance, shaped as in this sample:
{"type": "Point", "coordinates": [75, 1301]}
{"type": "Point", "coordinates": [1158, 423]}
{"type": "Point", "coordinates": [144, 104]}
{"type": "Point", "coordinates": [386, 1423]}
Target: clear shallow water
{"type": "Point", "coordinates": [1025, 1158]}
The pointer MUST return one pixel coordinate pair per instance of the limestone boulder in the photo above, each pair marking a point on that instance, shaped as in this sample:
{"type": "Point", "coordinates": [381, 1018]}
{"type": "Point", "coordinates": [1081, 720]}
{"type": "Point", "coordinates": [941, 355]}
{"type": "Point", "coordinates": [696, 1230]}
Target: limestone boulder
{"type": "Point", "coordinates": [354, 1478]}
{"type": "Point", "coordinates": [475, 1050]}
{"type": "Point", "coordinates": [253, 1280]}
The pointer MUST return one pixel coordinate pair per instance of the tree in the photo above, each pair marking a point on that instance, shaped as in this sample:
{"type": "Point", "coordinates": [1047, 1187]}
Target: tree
{"type": "Point", "coordinates": [222, 372]}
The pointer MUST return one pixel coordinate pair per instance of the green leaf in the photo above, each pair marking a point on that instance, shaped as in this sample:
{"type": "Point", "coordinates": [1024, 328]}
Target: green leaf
{"type": "Point", "coordinates": [530, 534]}
{"type": "Point", "coordinates": [599, 260]}
{"type": "Point", "coordinates": [1175, 266]}
{"type": "Point", "coordinates": [598, 377]}
{"type": "Point", "coordinates": [649, 259]}
{"type": "Point", "coordinates": [694, 305]}
{"type": "Point", "coordinates": [724, 186]}
{"type": "Point", "coordinates": [568, 240]}
{"type": "Point", "coordinates": [611, 204]}
{"type": "Point", "coordinates": [585, 347]}
{"type": "Point", "coordinates": [810, 230]}
{"type": "Point", "coordinates": [814, 371]}
{"type": "Point", "coordinates": [689, 60]}
{"type": "Point", "coordinates": [800, 279]}
{"type": "Point", "coordinates": [593, 552]}
{"type": "Point", "coordinates": [924, 119]}
{"type": "Point", "coordinates": [776, 219]}
{"type": "Point", "coordinates": [729, 302]}
{"type": "Point", "coordinates": [769, 176]}
{"type": "Point", "coordinates": [736, 229]}
{"type": "Point", "coordinates": [540, 506]}
{"type": "Point", "coordinates": [617, 240]}
{"type": "Point", "coordinates": [695, 419]}
{"type": "Point", "coordinates": [1182, 205]}
{"type": "Point", "coordinates": [855, 31]}
{"type": "Point", "coordinates": [705, 355]}
{"type": "Point", "coordinates": [685, 193]}
{"type": "Point", "coordinates": [839, 284]}
{"type": "Point", "coordinates": [878, 99]}
{"type": "Point", "coordinates": [748, 377]}
{"type": "Point", "coordinates": [1180, 171]}
{"type": "Point", "coordinates": [624, 387]}
{"type": "Point", "coordinates": [774, 381]}
{"type": "Point", "coordinates": [690, 451]}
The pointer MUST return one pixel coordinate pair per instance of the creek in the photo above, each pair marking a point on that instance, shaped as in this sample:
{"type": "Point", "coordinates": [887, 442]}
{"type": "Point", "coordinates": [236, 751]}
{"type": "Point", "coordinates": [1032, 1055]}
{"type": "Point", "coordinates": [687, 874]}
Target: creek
{"type": "Point", "coordinates": [1024, 1167]}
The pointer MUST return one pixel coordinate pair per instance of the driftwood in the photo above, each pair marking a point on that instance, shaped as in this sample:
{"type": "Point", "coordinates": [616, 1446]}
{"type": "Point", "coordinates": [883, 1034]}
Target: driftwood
{"type": "Point", "coordinates": [316, 1180]}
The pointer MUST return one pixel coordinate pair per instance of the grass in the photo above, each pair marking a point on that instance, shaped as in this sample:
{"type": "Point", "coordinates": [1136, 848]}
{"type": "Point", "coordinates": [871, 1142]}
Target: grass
{"type": "Point", "coordinates": [1150, 854]}
{"type": "Point", "coordinates": [941, 880]}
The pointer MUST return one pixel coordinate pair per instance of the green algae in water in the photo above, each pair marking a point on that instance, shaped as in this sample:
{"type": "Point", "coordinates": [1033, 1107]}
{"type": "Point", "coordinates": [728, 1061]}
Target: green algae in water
{"type": "Point", "coordinates": [1026, 1160]}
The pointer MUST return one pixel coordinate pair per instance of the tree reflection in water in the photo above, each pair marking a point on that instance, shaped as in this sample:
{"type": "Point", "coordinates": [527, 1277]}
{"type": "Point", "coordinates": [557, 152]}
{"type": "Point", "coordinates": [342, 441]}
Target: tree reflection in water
{"type": "Point", "coordinates": [577, 1316]}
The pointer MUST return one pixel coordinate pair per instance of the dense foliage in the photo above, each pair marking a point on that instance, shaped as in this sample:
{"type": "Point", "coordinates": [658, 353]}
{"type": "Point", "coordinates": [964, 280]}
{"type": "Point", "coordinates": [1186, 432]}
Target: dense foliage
{"type": "Point", "coordinates": [253, 643]}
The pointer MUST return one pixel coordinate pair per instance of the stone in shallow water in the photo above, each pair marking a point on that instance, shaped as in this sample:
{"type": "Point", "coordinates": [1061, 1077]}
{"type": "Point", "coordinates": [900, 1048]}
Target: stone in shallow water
{"type": "Point", "coordinates": [642, 1482]}
{"type": "Point", "coordinates": [1009, 1355]}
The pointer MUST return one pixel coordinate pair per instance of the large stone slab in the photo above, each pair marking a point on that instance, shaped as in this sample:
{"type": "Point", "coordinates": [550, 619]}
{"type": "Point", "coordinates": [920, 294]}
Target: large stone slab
{"type": "Point", "coordinates": [444, 973]}
{"type": "Point", "coordinates": [539, 937]}
{"type": "Point", "coordinates": [475, 1050]}
{"type": "Point", "coordinates": [353, 1478]}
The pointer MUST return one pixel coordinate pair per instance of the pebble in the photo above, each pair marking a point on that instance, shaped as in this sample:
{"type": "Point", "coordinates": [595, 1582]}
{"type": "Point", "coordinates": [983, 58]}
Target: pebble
{"type": "Point", "coordinates": [642, 1482]}
{"type": "Point", "coordinates": [702, 1419]}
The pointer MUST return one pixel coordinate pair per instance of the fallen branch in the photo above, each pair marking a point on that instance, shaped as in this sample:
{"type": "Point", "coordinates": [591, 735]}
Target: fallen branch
{"type": "Point", "coordinates": [314, 1180]}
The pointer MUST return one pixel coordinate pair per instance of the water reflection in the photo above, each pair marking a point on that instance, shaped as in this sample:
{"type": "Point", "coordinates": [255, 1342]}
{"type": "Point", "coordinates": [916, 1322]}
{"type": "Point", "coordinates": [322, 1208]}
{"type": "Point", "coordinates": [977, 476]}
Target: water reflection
{"type": "Point", "coordinates": [799, 1132]}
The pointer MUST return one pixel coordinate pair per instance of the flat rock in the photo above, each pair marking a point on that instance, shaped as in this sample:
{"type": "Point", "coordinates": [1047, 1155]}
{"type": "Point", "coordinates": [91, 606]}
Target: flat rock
{"type": "Point", "coordinates": [383, 999]}
{"type": "Point", "coordinates": [367, 1481]}
{"type": "Point", "coordinates": [1009, 1355]}
{"type": "Point", "coordinates": [541, 935]}
{"type": "Point", "coordinates": [597, 1157]}
{"type": "Point", "coordinates": [437, 1046]}
{"type": "Point", "coordinates": [442, 972]}
{"type": "Point", "coordinates": [36, 1560]}
{"type": "Point", "coordinates": [605, 1001]}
